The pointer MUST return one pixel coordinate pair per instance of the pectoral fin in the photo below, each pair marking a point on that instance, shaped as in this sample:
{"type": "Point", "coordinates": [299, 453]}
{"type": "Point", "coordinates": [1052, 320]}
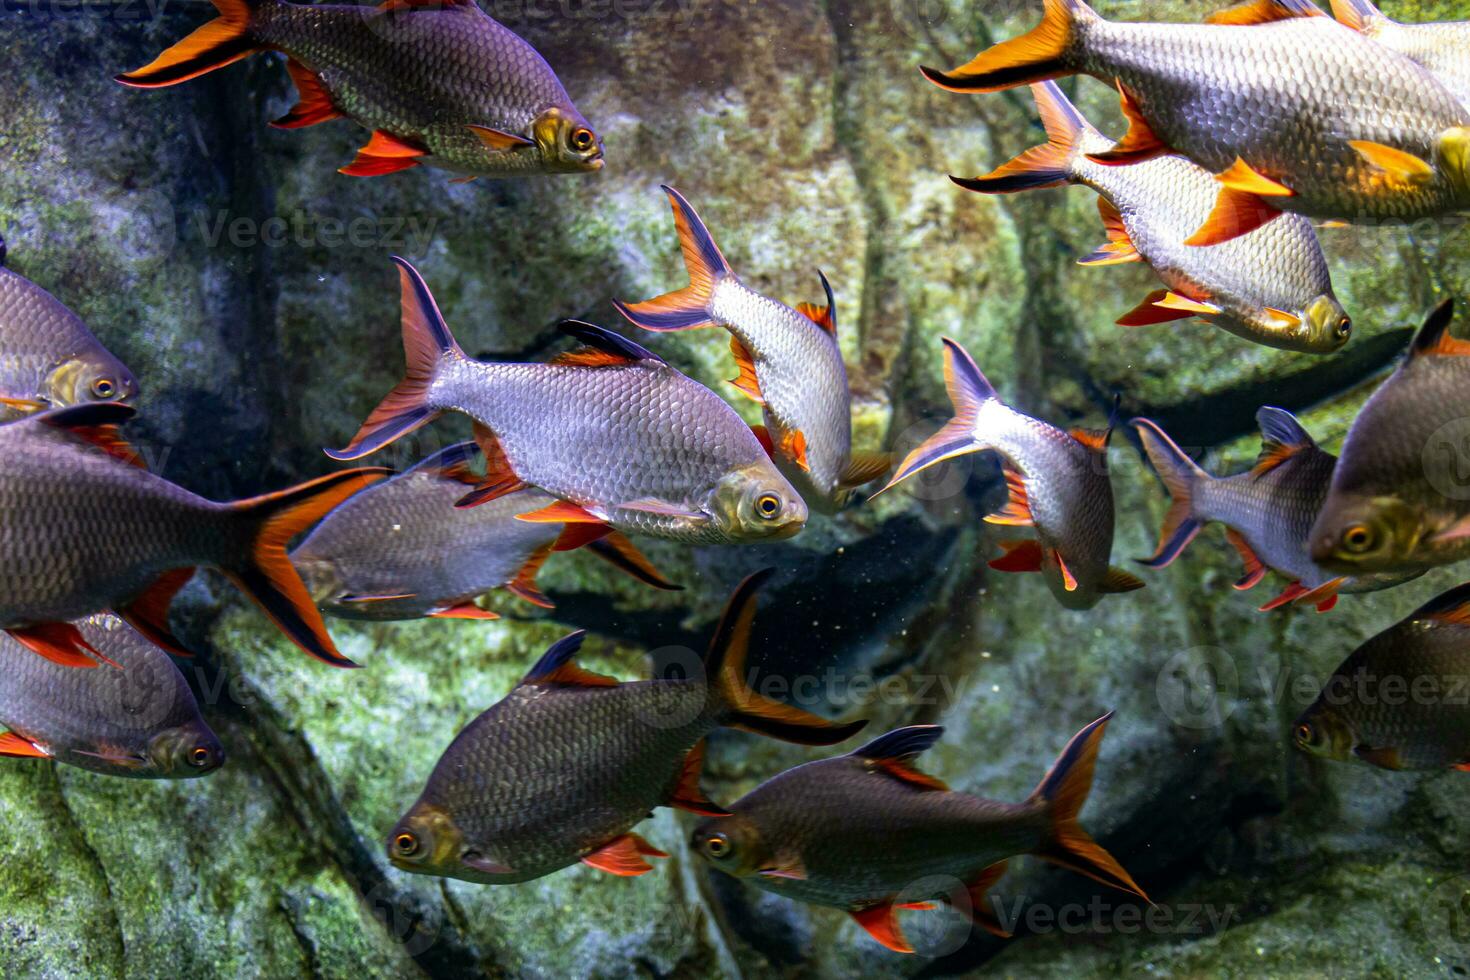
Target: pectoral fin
{"type": "Point", "coordinates": [16, 747]}
{"type": "Point", "coordinates": [1151, 311]}
{"type": "Point", "coordinates": [1397, 163]}
{"type": "Point", "coordinates": [498, 140]}
{"type": "Point", "coordinates": [1236, 213]}
{"type": "Point", "coordinates": [1117, 580]}
{"type": "Point", "coordinates": [1069, 581]}
{"type": "Point", "coordinates": [865, 468]}
{"type": "Point", "coordinates": [663, 508]}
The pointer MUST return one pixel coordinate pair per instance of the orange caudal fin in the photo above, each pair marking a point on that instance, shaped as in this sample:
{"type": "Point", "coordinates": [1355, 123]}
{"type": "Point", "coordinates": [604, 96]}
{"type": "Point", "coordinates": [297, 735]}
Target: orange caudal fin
{"type": "Point", "coordinates": [427, 342]}
{"type": "Point", "coordinates": [1181, 476]}
{"type": "Point", "coordinates": [1064, 790]}
{"type": "Point", "coordinates": [1048, 165]}
{"type": "Point", "coordinates": [60, 643]}
{"type": "Point", "coordinates": [222, 41]}
{"type": "Point", "coordinates": [968, 392]}
{"type": "Point", "coordinates": [687, 308]}
{"type": "Point", "coordinates": [262, 569]}
{"type": "Point", "coordinates": [1036, 56]}
{"type": "Point", "coordinates": [735, 703]}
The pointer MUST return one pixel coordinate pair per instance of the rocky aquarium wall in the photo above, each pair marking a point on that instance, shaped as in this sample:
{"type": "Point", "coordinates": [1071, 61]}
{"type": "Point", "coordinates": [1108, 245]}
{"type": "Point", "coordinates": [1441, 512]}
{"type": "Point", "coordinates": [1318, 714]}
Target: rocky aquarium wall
{"type": "Point", "coordinates": [248, 286]}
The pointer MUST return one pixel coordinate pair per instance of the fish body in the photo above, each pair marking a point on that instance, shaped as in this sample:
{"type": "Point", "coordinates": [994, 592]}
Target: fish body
{"type": "Point", "coordinates": [1058, 484]}
{"type": "Point", "coordinates": [439, 84]}
{"type": "Point", "coordinates": [1294, 111]}
{"type": "Point", "coordinates": [1269, 286]}
{"type": "Point", "coordinates": [859, 831]}
{"type": "Point", "coordinates": [1442, 48]}
{"type": "Point", "coordinates": [1400, 701]}
{"type": "Point", "coordinates": [402, 550]}
{"type": "Point", "coordinates": [86, 531]}
{"type": "Point", "coordinates": [564, 767]}
{"type": "Point", "coordinates": [622, 439]}
{"type": "Point", "coordinates": [47, 354]}
{"type": "Point", "coordinates": [1268, 511]}
{"type": "Point", "coordinates": [789, 362]}
{"type": "Point", "coordinates": [1398, 499]}
{"type": "Point", "coordinates": [139, 721]}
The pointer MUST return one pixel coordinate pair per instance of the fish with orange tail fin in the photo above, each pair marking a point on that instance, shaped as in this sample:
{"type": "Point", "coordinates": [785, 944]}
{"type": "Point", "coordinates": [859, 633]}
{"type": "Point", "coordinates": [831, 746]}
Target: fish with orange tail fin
{"type": "Point", "coordinates": [138, 722]}
{"type": "Point", "coordinates": [1267, 511]}
{"type": "Point", "coordinates": [88, 529]}
{"type": "Point", "coordinates": [438, 83]}
{"type": "Point", "coordinates": [1269, 286]}
{"type": "Point", "coordinates": [1354, 131]}
{"type": "Point", "coordinates": [402, 550]}
{"type": "Point", "coordinates": [789, 362]}
{"type": "Point", "coordinates": [565, 767]}
{"type": "Point", "coordinates": [857, 831]}
{"type": "Point", "coordinates": [620, 438]}
{"type": "Point", "coordinates": [1397, 501]}
{"type": "Point", "coordinates": [1058, 484]}
{"type": "Point", "coordinates": [1398, 701]}
{"type": "Point", "coordinates": [1443, 47]}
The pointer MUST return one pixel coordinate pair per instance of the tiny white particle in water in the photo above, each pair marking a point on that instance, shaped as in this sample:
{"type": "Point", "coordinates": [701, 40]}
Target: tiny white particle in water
{"type": "Point", "coordinates": [398, 527]}
{"type": "Point", "coordinates": [984, 654]}
{"type": "Point", "coordinates": [995, 688]}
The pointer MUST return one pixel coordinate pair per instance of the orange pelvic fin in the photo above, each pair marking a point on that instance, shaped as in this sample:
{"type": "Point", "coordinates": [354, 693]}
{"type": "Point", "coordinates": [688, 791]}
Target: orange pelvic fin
{"type": "Point", "coordinates": [793, 447]}
{"type": "Point", "coordinates": [148, 614]}
{"type": "Point", "coordinates": [687, 794]}
{"type": "Point", "coordinates": [982, 912]}
{"type": "Point", "coordinates": [385, 154]}
{"type": "Point", "coordinates": [500, 141]}
{"type": "Point", "coordinates": [1069, 581]}
{"type": "Point", "coordinates": [1242, 177]}
{"type": "Point", "coordinates": [1138, 144]}
{"type": "Point", "coordinates": [464, 610]}
{"type": "Point", "coordinates": [524, 584]}
{"type": "Point", "coordinates": [623, 856]}
{"type": "Point", "coordinates": [16, 747]}
{"type": "Point", "coordinates": [60, 643]}
{"type": "Point", "coordinates": [615, 549]}
{"type": "Point", "coordinates": [1255, 570]}
{"type": "Point", "coordinates": [1235, 213]}
{"type": "Point", "coordinates": [500, 476]}
{"type": "Point", "coordinates": [881, 922]}
{"type": "Point", "coordinates": [313, 101]}
{"type": "Point", "coordinates": [1120, 248]}
{"type": "Point", "coordinates": [223, 41]}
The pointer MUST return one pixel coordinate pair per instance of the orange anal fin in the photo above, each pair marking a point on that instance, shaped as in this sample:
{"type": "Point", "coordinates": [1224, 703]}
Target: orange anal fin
{"type": "Point", "coordinates": [16, 747]}
{"type": "Point", "coordinates": [524, 584]}
{"type": "Point", "coordinates": [882, 924]}
{"type": "Point", "coordinates": [148, 614]}
{"type": "Point", "coordinates": [1017, 511]}
{"type": "Point", "coordinates": [1236, 213]}
{"type": "Point", "coordinates": [463, 610]}
{"type": "Point", "coordinates": [687, 794]}
{"type": "Point", "coordinates": [500, 477]}
{"type": "Point", "coordinates": [1020, 556]}
{"type": "Point", "coordinates": [384, 154]}
{"type": "Point", "coordinates": [60, 643]}
{"type": "Point", "coordinates": [1069, 581]}
{"type": "Point", "coordinates": [746, 381]}
{"type": "Point", "coordinates": [982, 913]}
{"type": "Point", "coordinates": [1138, 144]}
{"type": "Point", "coordinates": [1150, 312]}
{"type": "Point", "coordinates": [313, 102]}
{"type": "Point", "coordinates": [1254, 569]}
{"type": "Point", "coordinates": [623, 856]}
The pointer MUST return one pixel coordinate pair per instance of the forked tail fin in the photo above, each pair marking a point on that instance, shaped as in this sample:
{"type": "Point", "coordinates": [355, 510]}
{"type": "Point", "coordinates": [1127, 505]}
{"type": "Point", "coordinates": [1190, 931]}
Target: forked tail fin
{"type": "Point", "coordinates": [1064, 790]}
{"type": "Point", "coordinates": [427, 343]}
{"type": "Point", "coordinates": [687, 308]}
{"type": "Point", "coordinates": [1181, 476]}
{"type": "Point", "coordinates": [1047, 165]}
{"type": "Point", "coordinates": [223, 41]}
{"type": "Point", "coordinates": [968, 391]}
{"type": "Point", "coordinates": [740, 707]}
{"type": "Point", "coordinates": [1038, 55]}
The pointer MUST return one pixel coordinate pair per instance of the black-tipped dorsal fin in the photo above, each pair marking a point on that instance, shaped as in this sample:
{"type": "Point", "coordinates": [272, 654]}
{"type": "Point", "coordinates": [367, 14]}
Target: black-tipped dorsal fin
{"type": "Point", "coordinates": [97, 424]}
{"type": "Point", "coordinates": [1450, 607]}
{"type": "Point", "coordinates": [1282, 437]}
{"type": "Point", "coordinates": [823, 316]}
{"type": "Point", "coordinates": [603, 348]}
{"type": "Point", "coordinates": [1435, 337]}
{"type": "Point", "coordinates": [894, 754]}
{"type": "Point", "coordinates": [557, 669]}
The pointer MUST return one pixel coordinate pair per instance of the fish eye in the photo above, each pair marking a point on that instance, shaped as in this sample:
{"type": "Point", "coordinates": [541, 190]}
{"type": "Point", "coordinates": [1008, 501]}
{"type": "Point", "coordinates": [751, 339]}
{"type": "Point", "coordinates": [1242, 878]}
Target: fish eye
{"type": "Point", "coordinates": [405, 844]}
{"type": "Point", "coordinates": [768, 506]}
{"type": "Point", "coordinates": [717, 845]}
{"type": "Point", "coordinates": [1344, 327]}
{"type": "Point", "coordinates": [1358, 538]}
{"type": "Point", "coordinates": [104, 388]}
{"type": "Point", "coordinates": [1303, 734]}
{"type": "Point", "coordinates": [582, 139]}
{"type": "Point", "coordinates": [200, 757]}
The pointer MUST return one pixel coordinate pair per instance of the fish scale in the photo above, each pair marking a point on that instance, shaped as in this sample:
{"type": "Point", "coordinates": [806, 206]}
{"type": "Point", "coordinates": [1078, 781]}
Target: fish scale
{"type": "Point", "coordinates": [141, 711]}
{"type": "Point", "coordinates": [1441, 48]}
{"type": "Point", "coordinates": [1213, 93]}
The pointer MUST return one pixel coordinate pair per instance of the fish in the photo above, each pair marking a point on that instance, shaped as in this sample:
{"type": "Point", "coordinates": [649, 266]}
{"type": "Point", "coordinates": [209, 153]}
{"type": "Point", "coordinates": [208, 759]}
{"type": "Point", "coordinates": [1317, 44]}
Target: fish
{"type": "Point", "coordinates": [1354, 131]}
{"type": "Point", "coordinates": [620, 438]}
{"type": "Point", "coordinates": [562, 769]}
{"type": "Point", "coordinates": [139, 722]}
{"type": "Point", "coordinates": [1399, 700]}
{"type": "Point", "coordinates": [1267, 511]}
{"type": "Point", "coordinates": [1442, 48]}
{"type": "Point", "coordinates": [48, 357]}
{"type": "Point", "coordinates": [89, 529]}
{"type": "Point", "coordinates": [438, 83]}
{"type": "Point", "coordinates": [401, 549]}
{"type": "Point", "coordinates": [855, 832]}
{"type": "Point", "coordinates": [1398, 499]}
{"type": "Point", "coordinates": [1270, 286]}
{"type": "Point", "coordinates": [789, 363]}
{"type": "Point", "coordinates": [1057, 483]}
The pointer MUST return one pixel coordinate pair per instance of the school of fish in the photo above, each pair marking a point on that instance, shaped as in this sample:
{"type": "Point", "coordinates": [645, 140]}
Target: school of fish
{"type": "Point", "coordinates": [1214, 186]}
